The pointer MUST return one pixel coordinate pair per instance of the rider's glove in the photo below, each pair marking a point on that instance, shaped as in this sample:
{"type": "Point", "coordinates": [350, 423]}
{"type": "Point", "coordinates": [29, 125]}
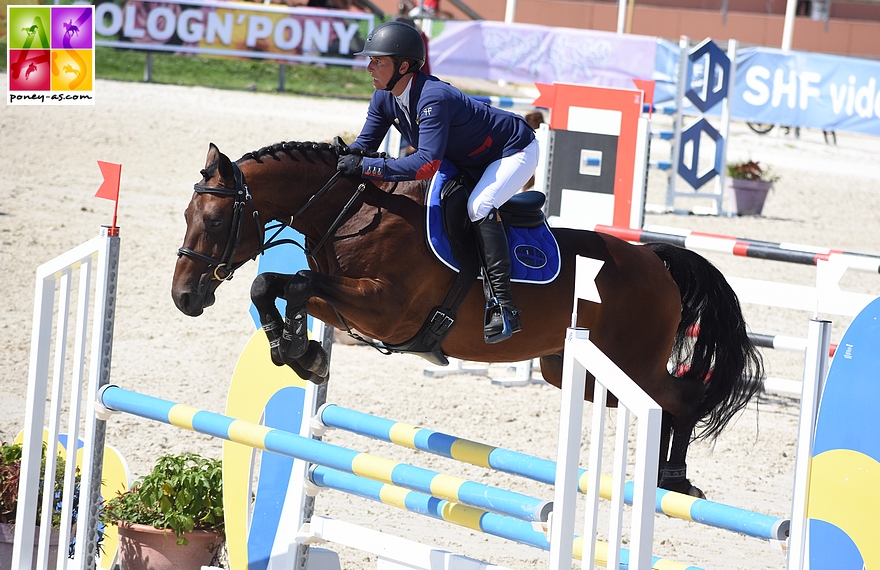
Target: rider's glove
{"type": "Point", "coordinates": [350, 164]}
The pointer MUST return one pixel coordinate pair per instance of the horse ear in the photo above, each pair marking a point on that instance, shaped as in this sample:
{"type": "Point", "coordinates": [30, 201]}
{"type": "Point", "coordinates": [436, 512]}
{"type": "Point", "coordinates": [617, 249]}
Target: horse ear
{"type": "Point", "coordinates": [213, 156]}
{"type": "Point", "coordinates": [220, 161]}
{"type": "Point", "coordinates": [226, 172]}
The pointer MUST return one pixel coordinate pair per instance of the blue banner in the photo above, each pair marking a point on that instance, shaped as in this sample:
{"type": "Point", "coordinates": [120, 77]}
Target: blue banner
{"type": "Point", "coordinates": [797, 89]}
{"type": "Point", "coordinates": [813, 90]}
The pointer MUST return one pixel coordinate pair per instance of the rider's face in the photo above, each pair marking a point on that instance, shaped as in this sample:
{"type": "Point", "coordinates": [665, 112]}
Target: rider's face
{"type": "Point", "coordinates": [381, 68]}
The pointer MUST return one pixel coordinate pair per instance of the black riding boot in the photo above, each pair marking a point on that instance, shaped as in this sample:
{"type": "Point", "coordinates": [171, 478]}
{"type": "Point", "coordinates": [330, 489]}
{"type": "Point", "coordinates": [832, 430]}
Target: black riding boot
{"type": "Point", "coordinates": [502, 318]}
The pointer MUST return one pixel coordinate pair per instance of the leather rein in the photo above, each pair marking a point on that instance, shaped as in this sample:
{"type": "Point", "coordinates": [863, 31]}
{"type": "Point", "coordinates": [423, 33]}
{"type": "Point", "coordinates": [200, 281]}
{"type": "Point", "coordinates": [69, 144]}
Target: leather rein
{"type": "Point", "coordinates": [224, 267]}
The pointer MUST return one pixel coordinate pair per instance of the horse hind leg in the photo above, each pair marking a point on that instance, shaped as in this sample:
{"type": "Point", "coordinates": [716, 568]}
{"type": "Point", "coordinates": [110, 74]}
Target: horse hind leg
{"type": "Point", "coordinates": [676, 431]}
{"type": "Point", "coordinates": [672, 474]}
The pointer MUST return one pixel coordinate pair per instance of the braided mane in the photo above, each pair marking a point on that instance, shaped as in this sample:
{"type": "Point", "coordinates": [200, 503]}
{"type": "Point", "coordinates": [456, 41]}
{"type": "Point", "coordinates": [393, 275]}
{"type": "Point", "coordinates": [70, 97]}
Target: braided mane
{"type": "Point", "coordinates": [289, 147]}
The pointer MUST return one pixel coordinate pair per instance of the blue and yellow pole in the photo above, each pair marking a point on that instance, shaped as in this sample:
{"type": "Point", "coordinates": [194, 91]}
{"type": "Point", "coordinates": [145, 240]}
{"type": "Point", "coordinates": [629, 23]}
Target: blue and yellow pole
{"type": "Point", "coordinates": [461, 515]}
{"type": "Point", "coordinates": [669, 503]}
{"type": "Point", "coordinates": [362, 464]}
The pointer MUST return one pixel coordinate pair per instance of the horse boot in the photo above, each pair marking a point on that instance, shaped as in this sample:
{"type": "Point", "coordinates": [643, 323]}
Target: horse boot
{"type": "Point", "coordinates": [295, 337]}
{"type": "Point", "coordinates": [502, 317]}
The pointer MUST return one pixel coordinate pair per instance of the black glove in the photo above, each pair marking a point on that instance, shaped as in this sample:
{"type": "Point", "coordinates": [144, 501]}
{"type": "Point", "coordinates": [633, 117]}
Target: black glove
{"type": "Point", "coordinates": [350, 164]}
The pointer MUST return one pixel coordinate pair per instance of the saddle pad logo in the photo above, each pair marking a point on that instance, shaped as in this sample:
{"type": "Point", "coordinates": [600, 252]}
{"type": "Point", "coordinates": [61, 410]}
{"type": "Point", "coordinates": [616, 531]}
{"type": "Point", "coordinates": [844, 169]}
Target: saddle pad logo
{"type": "Point", "coordinates": [530, 256]}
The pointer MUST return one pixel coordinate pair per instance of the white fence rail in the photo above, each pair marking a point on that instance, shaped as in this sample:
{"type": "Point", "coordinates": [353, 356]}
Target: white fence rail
{"type": "Point", "coordinates": [582, 356]}
{"type": "Point", "coordinates": [102, 253]}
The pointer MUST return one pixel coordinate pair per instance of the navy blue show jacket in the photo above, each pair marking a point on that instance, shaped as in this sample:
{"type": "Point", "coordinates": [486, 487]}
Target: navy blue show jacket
{"type": "Point", "coordinates": [448, 124]}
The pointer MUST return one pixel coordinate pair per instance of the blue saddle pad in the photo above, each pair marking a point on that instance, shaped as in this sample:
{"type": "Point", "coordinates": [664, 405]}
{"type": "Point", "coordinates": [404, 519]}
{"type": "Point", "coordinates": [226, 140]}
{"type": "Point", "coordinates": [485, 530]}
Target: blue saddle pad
{"type": "Point", "coordinates": [534, 253]}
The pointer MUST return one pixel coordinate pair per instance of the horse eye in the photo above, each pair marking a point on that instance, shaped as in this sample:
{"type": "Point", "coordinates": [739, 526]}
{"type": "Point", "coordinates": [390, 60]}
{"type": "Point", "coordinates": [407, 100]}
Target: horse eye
{"type": "Point", "coordinates": [214, 224]}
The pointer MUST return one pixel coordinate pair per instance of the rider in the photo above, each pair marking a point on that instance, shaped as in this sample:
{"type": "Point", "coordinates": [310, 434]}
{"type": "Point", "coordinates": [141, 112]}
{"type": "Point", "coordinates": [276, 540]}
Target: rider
{"type": "Point", "coordinates": [495, 147]}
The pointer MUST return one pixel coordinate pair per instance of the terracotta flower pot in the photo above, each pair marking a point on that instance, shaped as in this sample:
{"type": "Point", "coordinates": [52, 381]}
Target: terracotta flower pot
{"type": "Point", "coordinates": [7, 533]}
{"type": "Point", "coordinates": [143, 547]}
{"type": "Point", "coordinates": [746, 197]}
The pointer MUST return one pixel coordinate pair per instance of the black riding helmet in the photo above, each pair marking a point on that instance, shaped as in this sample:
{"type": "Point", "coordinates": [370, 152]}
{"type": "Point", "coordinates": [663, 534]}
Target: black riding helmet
{"type": "Point", "coordinates": [401, 42]}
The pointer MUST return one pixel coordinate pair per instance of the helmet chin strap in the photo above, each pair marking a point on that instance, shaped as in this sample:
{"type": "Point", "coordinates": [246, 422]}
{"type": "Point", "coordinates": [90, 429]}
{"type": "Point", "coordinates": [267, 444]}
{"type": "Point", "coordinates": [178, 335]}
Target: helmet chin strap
{"type": "Point", "coordinates": [397, 75]}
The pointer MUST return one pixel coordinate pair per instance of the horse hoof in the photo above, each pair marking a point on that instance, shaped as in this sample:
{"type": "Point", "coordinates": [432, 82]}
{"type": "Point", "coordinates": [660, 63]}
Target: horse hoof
{"type": "Point", "coordinates": [317, 380]}
{"type": "Point", "coordinates": [696, 492]}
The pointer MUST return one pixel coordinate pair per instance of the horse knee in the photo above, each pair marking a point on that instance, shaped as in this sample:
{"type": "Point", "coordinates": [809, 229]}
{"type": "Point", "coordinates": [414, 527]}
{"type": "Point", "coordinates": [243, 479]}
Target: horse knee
{"type": "Point", "coordinates": [298, 288]}
{"type": "Point", "coordinates": [266, 287]}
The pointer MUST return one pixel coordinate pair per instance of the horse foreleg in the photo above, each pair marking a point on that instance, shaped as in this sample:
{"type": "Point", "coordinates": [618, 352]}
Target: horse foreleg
{"type": "Point", "coordinates": [264, 290]}
{"type": "Point", "coordinates": [288, 338]}
{"type": "Point", "coordinates": [314, 364]}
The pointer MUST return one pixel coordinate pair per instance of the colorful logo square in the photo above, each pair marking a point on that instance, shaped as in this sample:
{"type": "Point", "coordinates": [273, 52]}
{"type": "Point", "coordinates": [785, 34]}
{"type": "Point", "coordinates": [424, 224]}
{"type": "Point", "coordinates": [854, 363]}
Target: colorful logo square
{"type": "Point", "coordinates": [71, 70]}
{"type": "Point", "coordinates": [28, 27]}
{"type": "Point", "coordinates": [51, 55]}
{"type": "Point", "coordinates": [72, 27]}
{"type": "Point", "coordinates": [29, 70]}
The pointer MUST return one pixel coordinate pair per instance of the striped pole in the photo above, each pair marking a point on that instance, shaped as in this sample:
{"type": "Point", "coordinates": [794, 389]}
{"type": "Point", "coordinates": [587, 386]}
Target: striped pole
{"type": "Point", "coordinates": [468, 517]}
{"type": "Point", "coordinates": [362, 464]}
{"type": "Point", "coordinates": [669, 503]}
{"type": "Point", "coordinates": [420, 503]}
{"type": "Point", "coordinates": [783, 342]}
{"type": "Point", "coordinates": [743, 247]}
{"type": "Point", "coordinates": [354, 472]}
{"type": "Point", "coordinates": [775, 341]}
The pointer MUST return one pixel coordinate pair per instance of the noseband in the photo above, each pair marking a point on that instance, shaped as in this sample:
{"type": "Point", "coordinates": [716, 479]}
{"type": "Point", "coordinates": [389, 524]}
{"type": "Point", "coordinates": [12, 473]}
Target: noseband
{"type": "Point", "coordinates": [224, 267]}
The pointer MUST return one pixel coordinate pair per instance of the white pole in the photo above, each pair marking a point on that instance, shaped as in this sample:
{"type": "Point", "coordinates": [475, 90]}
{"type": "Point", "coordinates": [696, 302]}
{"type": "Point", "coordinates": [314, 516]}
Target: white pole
{"type": "Point", "coordinates": [509, 11]}
{"type": "Point", "coordinates": [815, 370]}
{"type": "Point", "coordinates": [788, 27]}
{"type": "Point", "coordinates": [621, 15]}
{"type": "Point", "coordinates": [571, 411]}
{"type": "Point", "coordinates": [726, 106]}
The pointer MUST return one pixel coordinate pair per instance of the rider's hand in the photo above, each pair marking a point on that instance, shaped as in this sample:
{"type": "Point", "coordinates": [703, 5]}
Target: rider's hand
{"type": "Point", "coordinates": [350, 164]}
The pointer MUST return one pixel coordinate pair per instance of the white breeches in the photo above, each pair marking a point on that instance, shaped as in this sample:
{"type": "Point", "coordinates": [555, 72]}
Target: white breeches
{"type": "Point", "coordinates": [501, 180]}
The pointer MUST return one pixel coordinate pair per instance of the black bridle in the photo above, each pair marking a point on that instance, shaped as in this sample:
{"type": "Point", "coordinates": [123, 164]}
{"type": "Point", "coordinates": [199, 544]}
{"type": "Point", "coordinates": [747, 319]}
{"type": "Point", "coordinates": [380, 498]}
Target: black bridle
{"type": "Point", "coordinates": [224, 267]}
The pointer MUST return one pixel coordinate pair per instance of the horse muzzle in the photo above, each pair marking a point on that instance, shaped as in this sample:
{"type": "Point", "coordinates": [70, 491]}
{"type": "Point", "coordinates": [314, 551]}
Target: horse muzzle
{"type": "Point", "coordinates": [193, 300]}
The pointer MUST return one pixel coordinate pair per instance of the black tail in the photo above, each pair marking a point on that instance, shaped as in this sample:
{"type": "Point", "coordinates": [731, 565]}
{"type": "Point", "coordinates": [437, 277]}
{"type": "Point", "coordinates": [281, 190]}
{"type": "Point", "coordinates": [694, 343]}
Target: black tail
{"type": "Point", "coordinates": [721, 355]}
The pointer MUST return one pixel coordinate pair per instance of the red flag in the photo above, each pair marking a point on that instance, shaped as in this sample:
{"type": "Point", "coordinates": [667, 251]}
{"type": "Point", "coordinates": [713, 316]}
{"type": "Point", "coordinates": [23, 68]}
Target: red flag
{"type": "Point", "coordinates": [109, 189]}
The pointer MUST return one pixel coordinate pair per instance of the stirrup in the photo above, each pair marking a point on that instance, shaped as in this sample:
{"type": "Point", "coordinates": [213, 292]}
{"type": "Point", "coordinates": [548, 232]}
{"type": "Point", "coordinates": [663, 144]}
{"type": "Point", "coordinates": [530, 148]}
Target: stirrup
{"type": "Point", "coordinates": [507, 326]}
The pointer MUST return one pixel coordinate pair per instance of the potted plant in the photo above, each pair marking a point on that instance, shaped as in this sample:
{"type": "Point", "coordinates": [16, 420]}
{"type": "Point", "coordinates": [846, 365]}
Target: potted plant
{"type": "Point", "coordinates": [747, 186]}
{"type": "Point", "coordinates": [10, 472]}
{"type": "Point", "coordinates": [171, 518]}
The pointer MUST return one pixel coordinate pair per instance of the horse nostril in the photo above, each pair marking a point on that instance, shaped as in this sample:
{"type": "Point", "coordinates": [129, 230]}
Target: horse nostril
{"type": "Point", "coordinates": [182, 301]}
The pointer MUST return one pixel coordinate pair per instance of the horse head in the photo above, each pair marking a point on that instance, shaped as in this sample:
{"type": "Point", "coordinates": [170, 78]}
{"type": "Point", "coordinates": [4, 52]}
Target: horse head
{"type": "Point", "coordinates": [219, 238]}
{"type": "Point", "coordinates": [287, 179]}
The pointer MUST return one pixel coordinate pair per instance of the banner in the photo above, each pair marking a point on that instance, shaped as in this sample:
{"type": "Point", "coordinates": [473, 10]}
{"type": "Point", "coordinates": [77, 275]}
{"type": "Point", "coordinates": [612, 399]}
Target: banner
{"type": "Point", "coordinates": [799, 89]}
{"type": "Point", "coordinates": [231, 29]}
{"type": "Point", "coordinates": [524, 53]}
